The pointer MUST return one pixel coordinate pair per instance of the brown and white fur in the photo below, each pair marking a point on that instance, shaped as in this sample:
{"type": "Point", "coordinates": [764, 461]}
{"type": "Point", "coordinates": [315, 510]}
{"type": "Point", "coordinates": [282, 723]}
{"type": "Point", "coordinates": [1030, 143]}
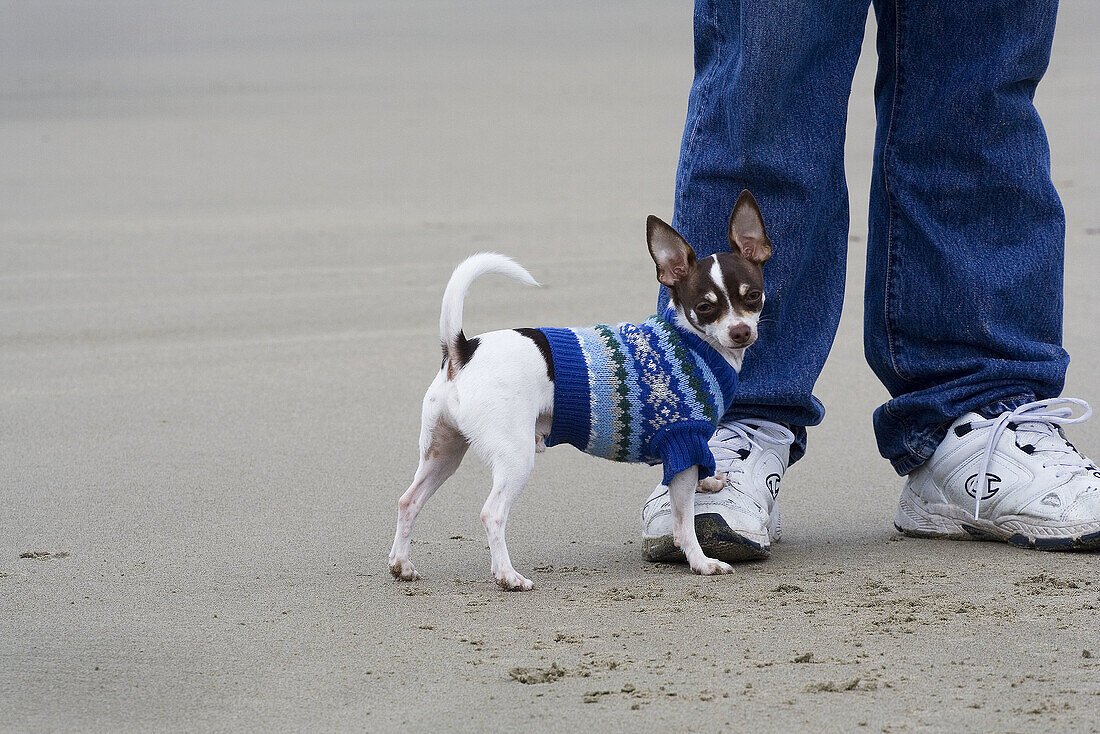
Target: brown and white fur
{"type": "Point", "coordinates": [495, 392]}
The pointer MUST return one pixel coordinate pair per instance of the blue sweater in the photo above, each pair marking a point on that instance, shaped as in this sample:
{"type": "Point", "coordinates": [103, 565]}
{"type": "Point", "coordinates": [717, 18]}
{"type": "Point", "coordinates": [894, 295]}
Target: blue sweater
{"type": "Point", "coordinates": [650, 392]}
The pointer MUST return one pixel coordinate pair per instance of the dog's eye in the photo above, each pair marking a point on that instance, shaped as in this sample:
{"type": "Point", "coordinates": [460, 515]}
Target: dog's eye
{"type": "Point", "coordinates": [752, 298]}
{"type": "Point", "coordinates": [704, 308]}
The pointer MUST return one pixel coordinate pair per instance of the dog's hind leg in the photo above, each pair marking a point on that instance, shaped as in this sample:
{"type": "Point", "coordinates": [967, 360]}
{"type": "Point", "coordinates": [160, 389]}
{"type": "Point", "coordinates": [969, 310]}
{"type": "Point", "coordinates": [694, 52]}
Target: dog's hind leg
{"type": "Point", "coordinates": [511, 464]}
{"type": "Point", "coordinates": [441, 450]}
{"type": "Point", "coordinates": [681, 490]}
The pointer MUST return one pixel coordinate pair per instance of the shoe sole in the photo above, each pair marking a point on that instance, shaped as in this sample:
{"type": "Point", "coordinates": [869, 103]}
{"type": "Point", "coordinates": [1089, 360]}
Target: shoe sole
{"type": "Point", "coordinates": [716, 539]}
{"type": "Point", "coordinates": [917, 522]}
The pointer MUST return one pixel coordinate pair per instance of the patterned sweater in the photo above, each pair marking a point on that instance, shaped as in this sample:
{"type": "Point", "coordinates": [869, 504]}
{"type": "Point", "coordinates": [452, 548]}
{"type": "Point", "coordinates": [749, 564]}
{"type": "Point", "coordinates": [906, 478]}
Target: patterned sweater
{"type": "Point", "coordinates": [649, 392]}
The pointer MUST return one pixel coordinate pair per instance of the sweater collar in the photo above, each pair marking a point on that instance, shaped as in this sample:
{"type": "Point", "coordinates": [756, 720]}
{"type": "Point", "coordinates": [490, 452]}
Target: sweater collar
{"type": "Point", "coordinates": [723, 371]}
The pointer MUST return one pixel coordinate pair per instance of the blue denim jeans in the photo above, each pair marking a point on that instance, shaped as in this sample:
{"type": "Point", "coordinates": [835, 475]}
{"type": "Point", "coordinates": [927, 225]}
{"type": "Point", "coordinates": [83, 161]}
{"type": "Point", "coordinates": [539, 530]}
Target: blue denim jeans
{"type": "Point", "coordinates": [963, 302]}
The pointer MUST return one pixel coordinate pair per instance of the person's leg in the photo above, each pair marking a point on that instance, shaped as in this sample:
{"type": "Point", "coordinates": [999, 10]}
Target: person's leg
{"type": "Point", "coordinates": [964, 268]}
{"type": "Point", "coordinates": [767, 113]}
{"type": "Point", "coordinates": [964, 286]}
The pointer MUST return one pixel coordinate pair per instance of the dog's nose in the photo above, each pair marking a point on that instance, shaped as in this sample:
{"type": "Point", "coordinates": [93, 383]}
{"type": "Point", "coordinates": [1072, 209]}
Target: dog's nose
{"type": "Point", "coordinates": [740, 334]}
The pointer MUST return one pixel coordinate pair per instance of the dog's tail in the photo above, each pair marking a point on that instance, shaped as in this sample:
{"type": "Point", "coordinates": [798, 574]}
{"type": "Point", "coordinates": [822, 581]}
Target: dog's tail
{"type": "Point", "coordinates": [456, 347]}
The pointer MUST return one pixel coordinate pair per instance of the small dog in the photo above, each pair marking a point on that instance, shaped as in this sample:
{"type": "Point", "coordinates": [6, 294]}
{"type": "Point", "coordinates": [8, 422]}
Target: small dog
{"type": "Point", "coordinates": [649, 392]}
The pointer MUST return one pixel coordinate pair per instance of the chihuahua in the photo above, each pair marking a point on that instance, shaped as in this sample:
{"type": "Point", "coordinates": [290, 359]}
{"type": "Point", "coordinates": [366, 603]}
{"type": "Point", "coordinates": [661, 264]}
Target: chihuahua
{"type": "Point", "coordinates": [650, 392]}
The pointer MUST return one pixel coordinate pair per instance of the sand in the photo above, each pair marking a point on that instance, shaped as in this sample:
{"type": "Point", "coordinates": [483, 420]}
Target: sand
{"type": "Point", "coordinates": [223, 238]}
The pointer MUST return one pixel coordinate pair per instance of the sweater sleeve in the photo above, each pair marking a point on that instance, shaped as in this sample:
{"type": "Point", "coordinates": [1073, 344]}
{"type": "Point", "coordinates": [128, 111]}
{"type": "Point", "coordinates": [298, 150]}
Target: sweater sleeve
{"type": "Point", "coordinates": [683, 445]}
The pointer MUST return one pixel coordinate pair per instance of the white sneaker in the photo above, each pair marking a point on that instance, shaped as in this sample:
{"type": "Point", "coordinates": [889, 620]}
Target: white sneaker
{"type": "Point", "coordinates": [740, 521]}
{"type": "Point", "coordinates": [1037, 490]}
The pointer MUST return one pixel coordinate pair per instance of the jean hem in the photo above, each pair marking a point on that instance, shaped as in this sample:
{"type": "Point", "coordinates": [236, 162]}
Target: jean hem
{"type": "Point", "coordinates": [930, 440]}
{"type": "Point", "coordinates": [1004, 405]}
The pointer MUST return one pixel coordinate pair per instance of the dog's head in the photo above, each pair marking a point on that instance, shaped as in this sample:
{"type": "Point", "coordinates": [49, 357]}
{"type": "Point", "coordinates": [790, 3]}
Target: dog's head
{"type": "Point", "coordinates": [719, 297]}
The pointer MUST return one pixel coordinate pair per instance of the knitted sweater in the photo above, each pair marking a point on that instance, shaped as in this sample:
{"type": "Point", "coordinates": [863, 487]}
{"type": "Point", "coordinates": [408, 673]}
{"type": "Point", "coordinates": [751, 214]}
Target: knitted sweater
{"type": "Point", "coordinates": [650, 392]}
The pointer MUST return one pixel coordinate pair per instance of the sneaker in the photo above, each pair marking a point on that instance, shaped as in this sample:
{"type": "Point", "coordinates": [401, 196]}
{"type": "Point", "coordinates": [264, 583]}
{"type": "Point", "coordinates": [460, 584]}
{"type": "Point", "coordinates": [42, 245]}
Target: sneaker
{"type": "Point", "coordinates": [740, 521]}
{"type": "Point", "coordinates": [1014, 478]}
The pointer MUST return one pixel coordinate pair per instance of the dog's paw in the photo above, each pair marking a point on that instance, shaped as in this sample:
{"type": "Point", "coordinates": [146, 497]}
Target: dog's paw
{"type": "Point", "coordinates": [711, 567]}
{"type": "Point", "coordinates": [403, 570]}
{"type": "Point", "coordinates": [711, 484]}
{"type": "Point", "coordinates": [513, 581]}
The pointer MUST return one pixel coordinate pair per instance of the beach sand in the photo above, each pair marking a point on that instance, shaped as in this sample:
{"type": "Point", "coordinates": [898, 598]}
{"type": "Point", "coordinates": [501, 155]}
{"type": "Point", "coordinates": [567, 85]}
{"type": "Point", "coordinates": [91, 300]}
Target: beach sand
{"type": "Point", "coordinates": [224, 234]}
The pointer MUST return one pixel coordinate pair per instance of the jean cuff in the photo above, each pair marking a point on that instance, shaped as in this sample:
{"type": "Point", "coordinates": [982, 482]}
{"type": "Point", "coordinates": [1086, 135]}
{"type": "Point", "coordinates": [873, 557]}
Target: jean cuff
{"type": "Point", "coordinates": [906, 464]}
{"type": "Point", "coordinates": [798, 448]}
{"type": "Point", "coordinates": [1004, 405]}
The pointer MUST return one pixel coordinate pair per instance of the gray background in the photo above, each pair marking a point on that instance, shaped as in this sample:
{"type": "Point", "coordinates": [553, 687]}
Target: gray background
{"type": "Point", "coordinates": [224, 232]}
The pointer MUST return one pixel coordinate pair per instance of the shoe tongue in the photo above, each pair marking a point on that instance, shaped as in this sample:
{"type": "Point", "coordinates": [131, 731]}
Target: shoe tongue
{"type": "Point", "coordinates": [729, 452]}
{"type": "Point", "coordinates": [734, 443]}
{"type": "Point", "coordinates": [1042, 436]}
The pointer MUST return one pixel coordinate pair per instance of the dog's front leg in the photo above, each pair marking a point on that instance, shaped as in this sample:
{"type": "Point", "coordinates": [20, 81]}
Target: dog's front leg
{"type": "Point", "coordinates": [682, 492]}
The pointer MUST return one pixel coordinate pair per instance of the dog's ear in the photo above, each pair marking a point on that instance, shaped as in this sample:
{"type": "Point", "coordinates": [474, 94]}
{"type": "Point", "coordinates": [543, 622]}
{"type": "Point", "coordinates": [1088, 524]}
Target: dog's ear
{"type": "Point", "coordinates": [671, 252]}
{"type": "Point", "coordinates": [747, 232]}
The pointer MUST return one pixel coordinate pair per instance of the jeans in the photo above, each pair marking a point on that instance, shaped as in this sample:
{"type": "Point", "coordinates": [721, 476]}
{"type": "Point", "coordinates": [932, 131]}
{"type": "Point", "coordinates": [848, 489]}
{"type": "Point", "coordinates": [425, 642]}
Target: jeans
{"type": "Point", "coordinates": [963, 301]}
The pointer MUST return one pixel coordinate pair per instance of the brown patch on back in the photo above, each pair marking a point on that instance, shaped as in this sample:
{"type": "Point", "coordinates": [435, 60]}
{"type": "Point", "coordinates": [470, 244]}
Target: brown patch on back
{"type": "Point", "coordinates": [543, 344]}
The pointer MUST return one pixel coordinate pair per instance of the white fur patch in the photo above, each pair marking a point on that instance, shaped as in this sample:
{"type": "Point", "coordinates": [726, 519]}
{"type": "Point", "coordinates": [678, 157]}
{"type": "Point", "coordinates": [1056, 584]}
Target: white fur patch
{"type": "Point", "coordinates": [716, 275]}
{"type": "Point", "coordinates": [744, 288]}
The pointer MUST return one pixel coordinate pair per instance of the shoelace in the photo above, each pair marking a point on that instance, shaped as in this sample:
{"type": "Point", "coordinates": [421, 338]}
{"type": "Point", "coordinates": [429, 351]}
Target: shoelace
{"type": "Point", "coordinates": [1041, 412]}
{"type": "Point", "coordinates": [734, 440]}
